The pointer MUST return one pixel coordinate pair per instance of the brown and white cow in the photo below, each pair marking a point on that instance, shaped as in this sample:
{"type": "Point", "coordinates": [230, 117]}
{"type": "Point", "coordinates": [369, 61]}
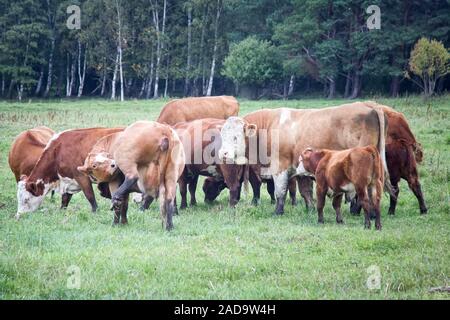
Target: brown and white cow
{"type": "Point", "coordinates": [57, 167]}
{"type": "Point", "coordinates": [403, 153]}
{"type": "Point", "coordinates": [189, 109]}
{"type": "Point", "coordinates": [356, 171]}
{"type": "Point", "coordinates": [201, 143]}
{"type": "Point", "coordinates": [25, 152]}
{"type": "Point", "coordinates": [274, 138]}
{"type": "Point", "coordinates": [150, 155]}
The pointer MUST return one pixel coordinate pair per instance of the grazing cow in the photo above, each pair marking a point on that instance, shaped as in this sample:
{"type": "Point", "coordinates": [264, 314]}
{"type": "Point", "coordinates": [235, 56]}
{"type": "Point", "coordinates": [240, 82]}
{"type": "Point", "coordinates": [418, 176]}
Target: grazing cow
{"type": "Point", "coordinates": [353, 171]}
{"type": "Point", "coordinates": [201, 142]}
{"type": "Point", "coordinates": [403, 152]}
{"type": "Point", "coordinates": [189, 109]}
{"type": "Point", "coordinates": [57, 167]}
{"type": "Point", "coordinates": [274, 138]}
{"type": "Point", "coordinates": [25, 151]}
{"type": "Point", "coordinates": [150, 155]}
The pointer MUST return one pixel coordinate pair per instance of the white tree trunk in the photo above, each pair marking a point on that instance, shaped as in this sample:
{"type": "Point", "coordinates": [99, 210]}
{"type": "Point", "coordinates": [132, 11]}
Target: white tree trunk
{"type": "Point", "coordinates": [102, 92]}
{"type": "Point", "coordinates": [81, 72]}
{"type": "Point", "coordinates": [189, 46]}
{"type": "Point", "coordinates": [50, 68]}
{"type": "Point", "coordinates": [160, 43]}
{"type": "Point", "coordinates": [150, 80]}
{"type": "Point", "coordinates": [291, 85]}
{"type": "Point", "coordinates": [39, 84]}
{"type": "Point", "coordinates": [114, 79]}
{"type": "Point", "coordinates": [119, 49]}
{"type": "Point", "coordinates": [213, 64]}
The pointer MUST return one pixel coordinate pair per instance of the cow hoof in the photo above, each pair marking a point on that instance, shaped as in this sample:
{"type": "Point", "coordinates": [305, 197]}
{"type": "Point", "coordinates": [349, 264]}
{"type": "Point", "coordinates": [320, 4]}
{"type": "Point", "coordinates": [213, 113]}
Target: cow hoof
{"type": "Point", "coordinates": [320, 221]}
{"type": "Point", "coordinates": [340, 221]}
{"type": "Point", "coordinates": [424, 211]}
{"type": "Point", "coordinates": [278, 213]}
{"type": "Point", "coordinates": [116, 204]}
{"type": "Point", "coordinates": [255, 202]}
{"type": "Point", "coordinates": [391, 212]}
{"type": "Point", "coordinates": [17, 217]}
{"type": "Point", "coordinates": [184, 206]}
{"type": "Point", "coordinates": [378, 227]}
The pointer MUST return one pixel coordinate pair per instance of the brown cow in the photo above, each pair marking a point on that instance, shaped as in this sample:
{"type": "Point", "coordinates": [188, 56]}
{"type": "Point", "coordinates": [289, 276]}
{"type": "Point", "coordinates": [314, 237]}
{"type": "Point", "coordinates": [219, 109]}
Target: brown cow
{"type": "Point", "coordinates": [189, 109]}
{"type": "Point", "coordinates": [353, 171]}
{"type": "Point", "coordinates": [101, 168]}
{"type": "Point", "coordinates": [150, 155]}
{"type": "Point", "coordinates": [25, 151]}
{"type": "Point", "coordinates": [274, 138]}
{"type": "Point", "coordinates": [201, 142]}
{"type": "Point", "coordinates": [57, 167]}
{"type": "Point", "coordinates": [403, 152]}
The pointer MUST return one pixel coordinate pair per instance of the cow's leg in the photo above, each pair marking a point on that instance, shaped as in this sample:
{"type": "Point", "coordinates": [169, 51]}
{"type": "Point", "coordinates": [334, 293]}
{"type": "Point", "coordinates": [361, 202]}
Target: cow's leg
{"type": "Point", "coordinates": [65, 199]}
{"type": "Point", "coordinates": [271, 190]}
{"type": "Point", "coordinates": [414, 185]}
{"type": "Point", "coordinates": [393, 200]}
{"type": "Point", "coordinates": [192, 189]}
{"type": "Point", "coordinates": [182, 182]}
{"type": "Point", "coordinates": [146, 202]}
{"type": "Point", "coordinates": [364, 200]}
{"type": "Point", "coordinates": [124, 209]}
{"type": "Point", "coordinates": [337, 207]}
{"type": "Point", "coordinates": [376, 192]}
{"type": "Point", "coordinates": [256, 186]}
{"type": "Point", "coordinates": [167, 206]}
{"type": "Point", "coordinates": [321, 194]}
{"type": "Point", "coordinates": [305, 186]}
{"type": "Point", "coordinates": [281, 182]}
{"type": "Point", "coordinates": [123, 191]}
{"type": "Point", "coordinates": [292, 186]}
{"type": "Point", "coordinates": [86, 185]}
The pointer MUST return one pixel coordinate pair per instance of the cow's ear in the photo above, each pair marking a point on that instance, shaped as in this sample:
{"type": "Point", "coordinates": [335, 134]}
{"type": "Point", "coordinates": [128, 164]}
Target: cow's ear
{"type": "Point", "coordinates": [23, 177]}
{"type": "Point", "coordinates": [250, 130]}
{"type": "Point", "coordinates": [307, 153]}
{"type": "Point", "coordinates": [83, 170]}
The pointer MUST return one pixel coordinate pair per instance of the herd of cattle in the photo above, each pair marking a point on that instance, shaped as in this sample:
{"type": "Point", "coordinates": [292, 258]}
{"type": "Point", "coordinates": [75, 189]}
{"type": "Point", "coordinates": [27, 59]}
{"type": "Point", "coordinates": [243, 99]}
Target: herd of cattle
{"type": "Point", "coordinates": [352, 150]}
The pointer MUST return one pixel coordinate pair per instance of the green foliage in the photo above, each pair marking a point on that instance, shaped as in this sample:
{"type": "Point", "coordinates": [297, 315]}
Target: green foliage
{"type": "Point", "coordinates": [429, 60]}
{"type": "Point", "coordinates": [252, 61]}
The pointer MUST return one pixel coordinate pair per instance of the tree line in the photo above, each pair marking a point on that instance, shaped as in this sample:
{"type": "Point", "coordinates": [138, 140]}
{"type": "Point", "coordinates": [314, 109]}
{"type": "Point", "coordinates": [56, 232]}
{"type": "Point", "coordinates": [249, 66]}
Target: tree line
{"type": "Point", "coordinates": [255, 48]}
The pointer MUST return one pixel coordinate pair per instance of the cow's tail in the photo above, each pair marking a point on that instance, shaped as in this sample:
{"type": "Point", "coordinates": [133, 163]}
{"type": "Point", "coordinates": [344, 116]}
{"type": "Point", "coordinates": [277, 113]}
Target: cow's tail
{"type": "Point", "coordinates": [382, 150]}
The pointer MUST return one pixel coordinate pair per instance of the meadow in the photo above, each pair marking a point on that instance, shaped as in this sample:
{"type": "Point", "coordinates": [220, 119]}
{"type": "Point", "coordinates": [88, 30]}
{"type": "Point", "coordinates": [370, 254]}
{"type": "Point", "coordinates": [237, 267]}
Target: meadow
{"type": "Point", "coordinates": [215, 252]}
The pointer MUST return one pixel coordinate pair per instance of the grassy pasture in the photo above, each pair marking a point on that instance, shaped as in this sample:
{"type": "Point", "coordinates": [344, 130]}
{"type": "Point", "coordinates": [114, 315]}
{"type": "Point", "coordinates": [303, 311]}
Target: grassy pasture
{"type": "Point", "coordinates": [215, 252]}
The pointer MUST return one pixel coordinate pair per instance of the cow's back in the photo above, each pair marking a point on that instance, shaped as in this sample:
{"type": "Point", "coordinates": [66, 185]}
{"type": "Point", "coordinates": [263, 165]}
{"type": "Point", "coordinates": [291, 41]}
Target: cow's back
{"type": "Point", "coordinates": [26, 150]}
{"type": "Point", "coordinates": [189, 109]}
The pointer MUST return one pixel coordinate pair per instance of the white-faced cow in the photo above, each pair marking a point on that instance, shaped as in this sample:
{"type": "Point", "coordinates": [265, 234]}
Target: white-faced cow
{"type": "Point", "coordinates": [274, 138]}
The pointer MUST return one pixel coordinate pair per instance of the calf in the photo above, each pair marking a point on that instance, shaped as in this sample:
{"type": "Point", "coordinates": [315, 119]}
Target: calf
{"type": "Point", "coordinates": [57, 167]}
{"type": "Point", "coordinates": [201, 141]}
{"type": "Point", "coordinates": [150, 155]}
{"type": "Point", "coordinates": [357, 171]}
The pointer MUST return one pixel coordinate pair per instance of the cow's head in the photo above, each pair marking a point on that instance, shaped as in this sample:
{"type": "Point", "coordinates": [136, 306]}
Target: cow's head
{"type": "Point", "coordinates": [305, 164]}
{"type": "Point", "coordinates": [30, 195]}
{"type": "Point", "coordinates": [233, 136]}
{"type": "Point", "coordinates": [212, 189]}
{"type": "Point", "coordinates": [99, 167]}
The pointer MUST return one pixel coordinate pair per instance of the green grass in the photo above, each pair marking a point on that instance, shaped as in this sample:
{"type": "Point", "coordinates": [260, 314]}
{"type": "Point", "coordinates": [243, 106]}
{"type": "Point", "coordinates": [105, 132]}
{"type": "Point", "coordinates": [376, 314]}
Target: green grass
{"type": "Point", "coordinates": [215, 252]}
